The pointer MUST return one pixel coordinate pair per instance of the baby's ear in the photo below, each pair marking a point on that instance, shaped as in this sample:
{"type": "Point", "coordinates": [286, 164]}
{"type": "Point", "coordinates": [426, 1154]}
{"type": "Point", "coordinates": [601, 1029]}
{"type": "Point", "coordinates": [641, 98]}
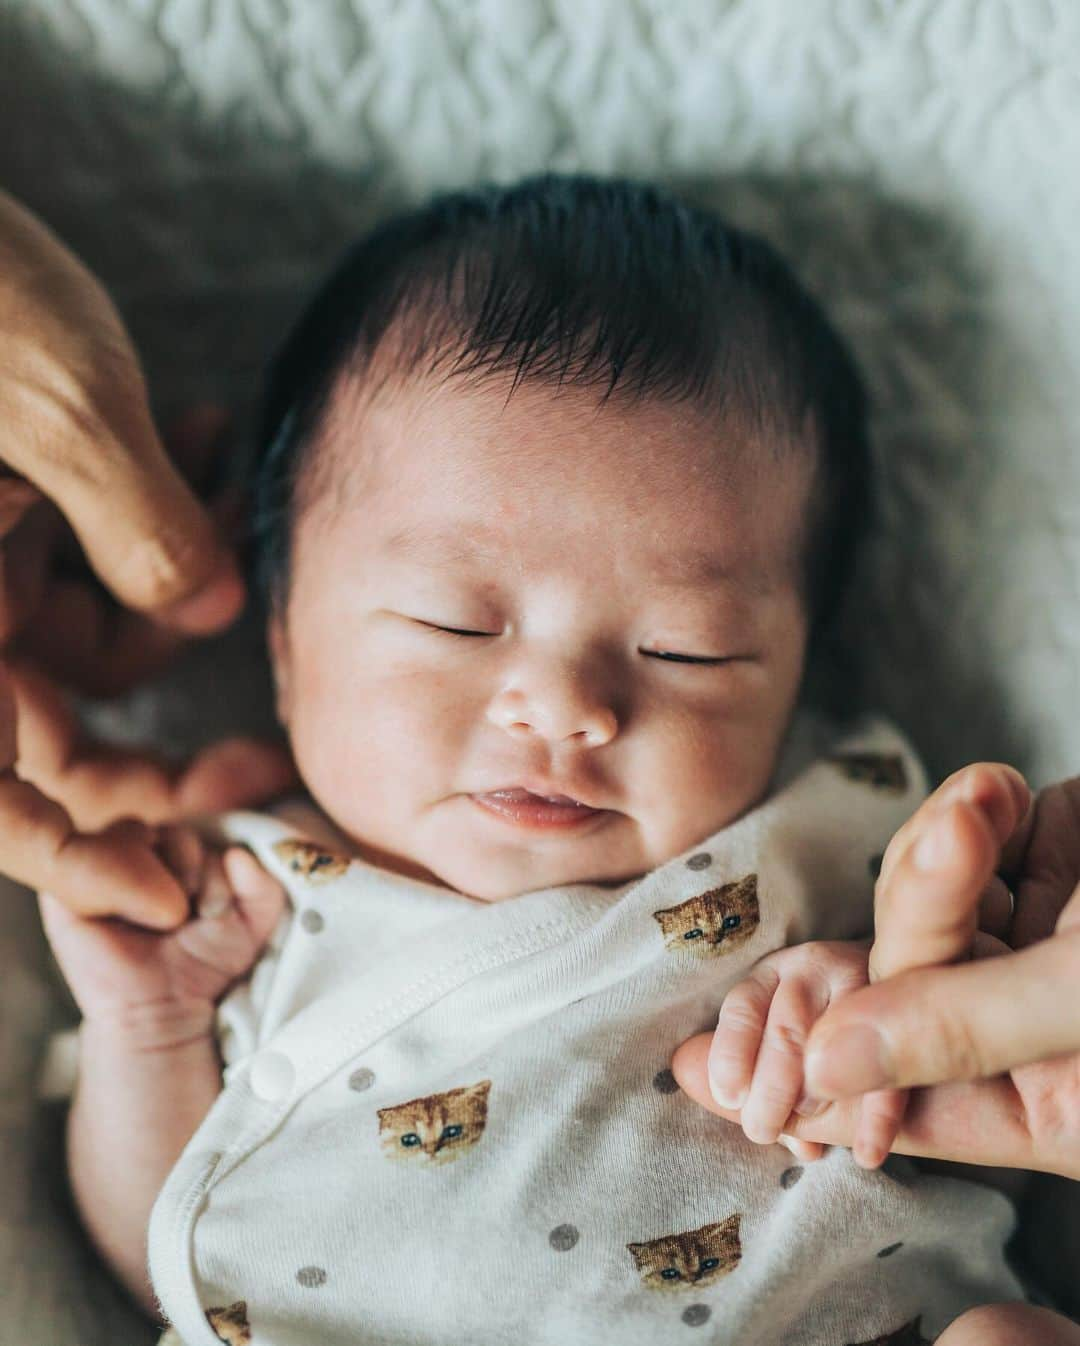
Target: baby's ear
{"type": "Point", "coordinates": [278, 646]}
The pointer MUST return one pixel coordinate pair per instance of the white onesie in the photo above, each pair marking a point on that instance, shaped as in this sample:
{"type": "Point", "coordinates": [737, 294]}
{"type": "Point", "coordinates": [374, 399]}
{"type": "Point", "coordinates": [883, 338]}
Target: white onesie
{"type": "Point", "coordinates": [450, 1121]}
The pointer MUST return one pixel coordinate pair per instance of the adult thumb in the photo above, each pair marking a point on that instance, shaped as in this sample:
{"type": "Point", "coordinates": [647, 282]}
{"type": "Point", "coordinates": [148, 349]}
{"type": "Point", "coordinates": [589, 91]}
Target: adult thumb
{"type": "Point", "coordinates": [960, 1022]}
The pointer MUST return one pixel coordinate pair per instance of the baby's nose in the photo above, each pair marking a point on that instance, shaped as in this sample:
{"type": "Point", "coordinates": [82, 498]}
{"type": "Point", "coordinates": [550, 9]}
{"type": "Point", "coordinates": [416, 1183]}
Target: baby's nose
{"type": "Point", "coordinates": [559, 714]}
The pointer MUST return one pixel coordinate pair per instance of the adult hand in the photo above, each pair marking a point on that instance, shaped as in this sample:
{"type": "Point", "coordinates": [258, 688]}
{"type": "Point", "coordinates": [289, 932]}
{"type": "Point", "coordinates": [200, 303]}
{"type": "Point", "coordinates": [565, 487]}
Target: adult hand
{"type": "Point", "coordinates": [997, 1039]}
{"type": "Point", "coordinates": [85, 482]}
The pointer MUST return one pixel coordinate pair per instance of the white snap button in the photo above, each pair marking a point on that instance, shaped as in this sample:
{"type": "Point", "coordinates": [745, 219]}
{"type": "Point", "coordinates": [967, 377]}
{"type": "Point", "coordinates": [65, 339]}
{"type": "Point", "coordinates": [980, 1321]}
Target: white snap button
{"type": "Point", "coordinates": [272, 1076]}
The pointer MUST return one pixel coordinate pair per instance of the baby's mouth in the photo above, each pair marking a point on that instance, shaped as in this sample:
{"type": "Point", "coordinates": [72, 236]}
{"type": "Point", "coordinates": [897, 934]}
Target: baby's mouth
{"type": "Point", "coordinates": [521, 807]}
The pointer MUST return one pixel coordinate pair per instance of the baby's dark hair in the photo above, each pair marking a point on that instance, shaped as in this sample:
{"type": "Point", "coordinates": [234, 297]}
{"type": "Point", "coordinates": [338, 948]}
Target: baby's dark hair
{"type": "Point", "coordinates": [576, 280]}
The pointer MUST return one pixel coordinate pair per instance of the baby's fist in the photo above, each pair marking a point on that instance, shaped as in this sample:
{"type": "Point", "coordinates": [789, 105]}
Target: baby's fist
{"type": "Point", "coordinates": [128, 973]}
{"type": "Point", "coordinates": [756, 1056]}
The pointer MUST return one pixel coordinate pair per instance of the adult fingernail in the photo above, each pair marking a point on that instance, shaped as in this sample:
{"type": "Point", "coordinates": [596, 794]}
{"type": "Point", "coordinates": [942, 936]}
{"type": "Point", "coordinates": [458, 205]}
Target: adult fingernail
{"type": "Point", "coordinates": [808, 1106]}
{"type": "Point", "coordinates": [850, 1061]}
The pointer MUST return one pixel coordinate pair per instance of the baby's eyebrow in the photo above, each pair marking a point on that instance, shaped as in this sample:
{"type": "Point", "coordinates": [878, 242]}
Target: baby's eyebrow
{"type": "Point", "coordinates": [475, 544]}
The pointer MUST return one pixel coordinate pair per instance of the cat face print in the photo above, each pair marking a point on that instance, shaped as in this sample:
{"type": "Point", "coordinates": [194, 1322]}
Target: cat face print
{"type": "Point", "coordinates": [715, 922]}
{"type": "Point", "coordinates": [883, 771]}
{"type": "Point", "coordinates": [908, 1335]}
{"type": "Point", "coordinates": [435, 1129]}
{"type": "Point", "coordinates": [315, 863]}
{"type": "Point", "coordinates": [231, 1324]}
{"type": "Point", "coordinates": [697, 1257]}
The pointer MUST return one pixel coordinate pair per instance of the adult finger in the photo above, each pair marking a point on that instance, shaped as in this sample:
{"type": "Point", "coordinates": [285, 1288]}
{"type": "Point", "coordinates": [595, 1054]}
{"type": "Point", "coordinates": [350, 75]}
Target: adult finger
{"type": "Point", "coordinates": [101, 874]}
{"type": "Point", "coordinates": [1048, 870]}
{"type": "Point", "coordinates": [977, 1123]}
{"type": "Point", "coordinates": [937, 870]}
{"type": "Point", "coordinates": [926, 912]}
{"type": "Point", "coordinates": [960, 1022]}
{"type": "Point", "coordinates": [996, 788]}
{"type": "Point", "coordinates": [98, 782]}
{"type": "Point", "coordinates": [25, 537]}
{"type": "Point", "coordinates": [77, 425]}
{"type": "Point", "coordinates": [85, 639]}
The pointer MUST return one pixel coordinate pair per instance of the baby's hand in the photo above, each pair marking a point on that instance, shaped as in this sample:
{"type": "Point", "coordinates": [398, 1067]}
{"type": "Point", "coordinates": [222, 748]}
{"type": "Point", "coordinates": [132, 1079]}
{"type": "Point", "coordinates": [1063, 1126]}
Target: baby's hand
{"type": "Point", "coordinates": [151, 981]}
{"type": "Point", "coordinates": [756, 1056]}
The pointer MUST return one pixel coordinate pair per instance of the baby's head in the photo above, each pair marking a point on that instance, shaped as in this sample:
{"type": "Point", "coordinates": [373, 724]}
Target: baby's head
{"type": "Point", "coordinates": [556, 482]}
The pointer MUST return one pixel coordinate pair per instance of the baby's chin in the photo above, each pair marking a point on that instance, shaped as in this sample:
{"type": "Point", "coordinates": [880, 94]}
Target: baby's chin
{"type": "Point", "coordinates": [506, 874]}
{"type": "Point", "coordinates": [499, 888]}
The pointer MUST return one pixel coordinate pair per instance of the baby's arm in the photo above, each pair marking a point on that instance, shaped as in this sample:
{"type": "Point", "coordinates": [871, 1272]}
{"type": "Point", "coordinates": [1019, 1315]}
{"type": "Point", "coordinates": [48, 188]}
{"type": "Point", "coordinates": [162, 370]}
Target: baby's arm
{"type": "Point", "coordinates": [149, 1069]}
{"type": "Point", "coordinates": [756, 1056]}
{"type": "Point", "coordinates": [144, 1086]}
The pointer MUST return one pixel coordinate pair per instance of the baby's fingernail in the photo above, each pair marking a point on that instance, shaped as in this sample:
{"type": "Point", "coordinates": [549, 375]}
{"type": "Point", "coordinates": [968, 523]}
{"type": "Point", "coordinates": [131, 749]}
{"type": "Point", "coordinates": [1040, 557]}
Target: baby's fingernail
{"type": "Point", "coordinates": [723, 1095]}
{"type": "Point", "coordinates": [809, 1106]}
{"type": "Point", "coordinates": [850, 1061]}
{"type": "Point", "coordinates": [933, 848]}
{"type": "Point", "coordinates": [215, 901]}
{"type": "Point", "coordinates": [723, 1098]}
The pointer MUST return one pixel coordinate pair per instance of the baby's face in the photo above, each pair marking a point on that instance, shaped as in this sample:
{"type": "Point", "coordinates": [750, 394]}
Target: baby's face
{"type": "Point", "coordinates": [576, 544]}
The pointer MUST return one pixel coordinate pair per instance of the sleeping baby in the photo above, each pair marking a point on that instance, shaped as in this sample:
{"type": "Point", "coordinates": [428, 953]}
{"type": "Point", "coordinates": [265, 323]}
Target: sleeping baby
{"type": "Point", "coordinates": [558, 484]}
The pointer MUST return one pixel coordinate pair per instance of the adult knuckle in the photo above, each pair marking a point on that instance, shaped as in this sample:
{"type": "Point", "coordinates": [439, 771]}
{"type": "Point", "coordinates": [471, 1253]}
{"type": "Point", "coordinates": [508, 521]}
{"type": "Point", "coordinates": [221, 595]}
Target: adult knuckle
{"type": "Point", "coordinates": [57, 422]}
{"type": "Point", "coordinates": [961, 1051]}
{"type": "Point", "coordinates": [162, 567]}
{"type": "Point", "coordinates": [1051, 1099]}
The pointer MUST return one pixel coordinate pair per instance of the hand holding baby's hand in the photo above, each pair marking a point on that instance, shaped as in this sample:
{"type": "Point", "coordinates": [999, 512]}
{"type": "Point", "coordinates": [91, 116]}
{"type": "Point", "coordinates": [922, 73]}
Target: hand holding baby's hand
{"type": "Point", "coordinates": [756, 1055]}
{"type": "Point", "coordinates": [148, 980]}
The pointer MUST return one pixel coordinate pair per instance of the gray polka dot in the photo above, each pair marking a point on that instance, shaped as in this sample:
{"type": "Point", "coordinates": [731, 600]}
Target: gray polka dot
{"type": "Point", "coordinates": [664, 1082]}
{"type": "Point", "coordinates": [893, 1247]}
{"type": "Point", "coordinates": [790, 1176]}
{"type": "Point", "coordinates": [696, 1314]}
{"type": "Point", "coordinates": [311, 1277]}
{"type": "Point", "coordinates": [700, 861]}
{"type": "Point", "coordinates": [311, 921]}
{"type": "Point", "coordinates": [563, 1237]}
{"type": "Point", "coordinates": [361, 1079]}
{"type": "Point", "coordinates": [874, 865]}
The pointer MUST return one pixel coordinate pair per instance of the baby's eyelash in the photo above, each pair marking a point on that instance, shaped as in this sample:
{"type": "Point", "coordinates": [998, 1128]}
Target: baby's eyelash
{"type": "Point", "coordinates": [686, 658]}
{"type": "Point", "coordinates": [456, 631]}
{"type": "Point", "coordinates": [652, 654]}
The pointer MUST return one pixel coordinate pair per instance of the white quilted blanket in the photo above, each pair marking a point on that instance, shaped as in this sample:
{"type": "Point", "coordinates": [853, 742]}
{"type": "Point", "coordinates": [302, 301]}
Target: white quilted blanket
{"type": "Point", "coordinates": [915, 158]}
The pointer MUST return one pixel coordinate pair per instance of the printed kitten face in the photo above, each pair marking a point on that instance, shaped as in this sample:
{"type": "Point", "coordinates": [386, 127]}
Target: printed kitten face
{"type": "Point", "coordinates": [717, 921]}
{"type": "Point", "coordinates": [884, 771]}
{"type": "Point", "coordinates": [231, 1324]}
{"type": "Point", "coordinates": [908, 1335]}
{"type": "Point", "coordinates": [697, 1257]}
{"type": "Point", "coordinates": [435, 1129]}
{"type": "Point", "coordinates": [315, 863]}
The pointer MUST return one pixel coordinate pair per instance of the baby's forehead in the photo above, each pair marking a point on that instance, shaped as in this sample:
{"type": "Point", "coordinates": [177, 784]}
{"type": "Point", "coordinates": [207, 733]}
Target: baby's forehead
{"type": "Point", "coordinates": [393, 423]}
{"type": "Point", "coordinates": [471, 471]}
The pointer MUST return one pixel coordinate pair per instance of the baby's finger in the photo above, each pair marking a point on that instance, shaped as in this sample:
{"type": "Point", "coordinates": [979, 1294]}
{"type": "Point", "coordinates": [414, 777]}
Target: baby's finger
{"type": "Point", "coordinates": [879, 1123]}
{"type": "Point", "coordinates": [215, 893]}
{"type": "Point", "coordinates": [805, 1151]}
{"type": "Point", "coordinates": [260, 897]}
{"type": "Point", "coordinates": [182, 850]}
{"type": "Point", "coordinates": [737, 1038]}
{"type": "Point", "coordinates": [776, 1090]}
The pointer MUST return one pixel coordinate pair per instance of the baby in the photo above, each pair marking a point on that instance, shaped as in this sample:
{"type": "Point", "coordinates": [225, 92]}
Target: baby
{"type": "Point", "coordinates": [558, 484]}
